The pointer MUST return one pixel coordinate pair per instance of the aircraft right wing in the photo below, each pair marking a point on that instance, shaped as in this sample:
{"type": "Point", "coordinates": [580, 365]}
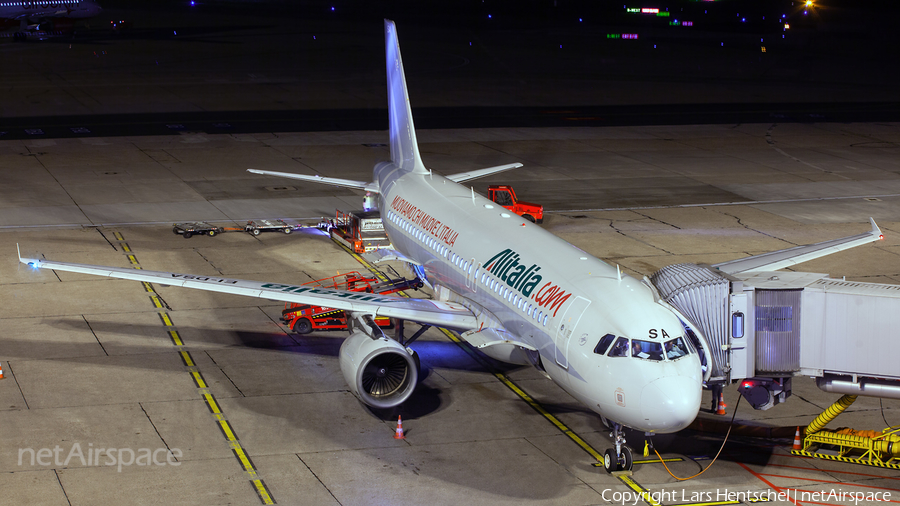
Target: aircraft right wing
{"type": "Point", "coordinates": [433, 312]}
{"type": "Point", "coordinates": [798, 254]}
{"type": "Point", "coordinates": [473, 174]}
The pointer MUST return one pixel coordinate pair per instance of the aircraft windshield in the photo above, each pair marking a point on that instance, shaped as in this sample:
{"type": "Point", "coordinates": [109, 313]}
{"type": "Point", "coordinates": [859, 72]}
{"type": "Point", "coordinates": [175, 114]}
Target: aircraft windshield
{"type": "Point", "coordinates": [646, 349]}
{"type": "Point", "coordinates": [604, 343]}
{"type": "Point", "coordinates": [620, 349]}
{"type": "Point", "coordinates": [676, 349]}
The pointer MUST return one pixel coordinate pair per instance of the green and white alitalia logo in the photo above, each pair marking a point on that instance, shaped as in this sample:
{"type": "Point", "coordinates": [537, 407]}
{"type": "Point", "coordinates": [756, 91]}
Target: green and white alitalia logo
{"type": "Point", "coordinates": [506, 265]}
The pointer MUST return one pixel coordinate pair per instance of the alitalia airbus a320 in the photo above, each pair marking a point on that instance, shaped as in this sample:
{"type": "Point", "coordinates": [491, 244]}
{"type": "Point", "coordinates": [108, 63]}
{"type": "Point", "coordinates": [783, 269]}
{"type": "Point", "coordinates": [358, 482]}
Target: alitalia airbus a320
{"type": "Point", "coordinates": [514, 291]}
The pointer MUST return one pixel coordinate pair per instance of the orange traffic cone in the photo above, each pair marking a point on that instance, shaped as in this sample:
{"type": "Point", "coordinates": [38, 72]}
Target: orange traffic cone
{"type": "Point", "coordinates": [399, 433]}
{"type": "Point", "coordinates": [797, 445]}
{"type": "Point", "coordinates": [1, 371]}
{"type": "Point", "coordinates": [721, 410]}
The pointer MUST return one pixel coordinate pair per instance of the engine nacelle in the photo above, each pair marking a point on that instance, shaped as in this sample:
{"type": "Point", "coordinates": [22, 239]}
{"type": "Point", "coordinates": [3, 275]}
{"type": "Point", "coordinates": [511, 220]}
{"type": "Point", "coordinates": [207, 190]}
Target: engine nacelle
{"type": "Point", "coordinates": [380, 372]}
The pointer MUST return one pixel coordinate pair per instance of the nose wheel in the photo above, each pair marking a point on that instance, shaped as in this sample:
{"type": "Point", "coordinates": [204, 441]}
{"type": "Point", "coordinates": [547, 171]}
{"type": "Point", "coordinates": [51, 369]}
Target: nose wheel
{"type": "Point", "coordinates": [623, 462]}
{"type": "Point", "coordinates": [620, 458]}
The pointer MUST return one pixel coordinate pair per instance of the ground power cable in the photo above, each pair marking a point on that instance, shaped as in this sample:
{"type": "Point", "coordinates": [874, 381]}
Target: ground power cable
{"type": "Point", "coordinates": [738, 403]}
{"type": "Point", "coordinates": [881, 400]}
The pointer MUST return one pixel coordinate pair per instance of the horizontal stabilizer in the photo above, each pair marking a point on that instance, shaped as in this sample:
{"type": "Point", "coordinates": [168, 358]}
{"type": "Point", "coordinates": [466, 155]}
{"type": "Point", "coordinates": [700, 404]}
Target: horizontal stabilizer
{"type": "Point", "coordinates": [333, 181]}
{"type": "Point", "coordinates": [475, 174]}
{"type": "Point", "coordinates": [798, 254]}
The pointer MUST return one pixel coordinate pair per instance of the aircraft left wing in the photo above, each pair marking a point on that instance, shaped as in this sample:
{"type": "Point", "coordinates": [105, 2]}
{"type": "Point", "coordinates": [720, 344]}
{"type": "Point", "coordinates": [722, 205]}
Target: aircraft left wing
{"type": "Point", "coordinates": [333, 181]}
{"type": "Point", "coordinates": [440, 314]}
{"type": "Point", "coordinates": [798, 254]}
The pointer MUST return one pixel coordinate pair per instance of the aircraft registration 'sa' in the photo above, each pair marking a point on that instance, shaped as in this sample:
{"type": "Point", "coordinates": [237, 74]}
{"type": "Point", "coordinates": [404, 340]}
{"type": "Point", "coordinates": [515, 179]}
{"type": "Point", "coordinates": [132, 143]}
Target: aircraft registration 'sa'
{"type": "Point", "coordinates": [514, 291]}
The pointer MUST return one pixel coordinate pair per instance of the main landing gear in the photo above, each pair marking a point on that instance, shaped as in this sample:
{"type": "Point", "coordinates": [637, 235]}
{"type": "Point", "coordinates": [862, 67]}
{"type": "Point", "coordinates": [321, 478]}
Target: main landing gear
{"type": "Point", "coordinates": [621, 457]}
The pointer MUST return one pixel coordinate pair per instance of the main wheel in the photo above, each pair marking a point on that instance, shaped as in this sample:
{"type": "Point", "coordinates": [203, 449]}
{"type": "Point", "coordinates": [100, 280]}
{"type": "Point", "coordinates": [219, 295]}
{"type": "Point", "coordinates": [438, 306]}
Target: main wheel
{"type": "Point", "coordinates": [610, 461]}
{"type": "Point", "coordinates": [287, 230]}
{"type": "Point", "coordinates": [254, 231]}
{"type": "Point", "coordinates": [629, 458]}
{"type": "Point", "coordinates": [302, 326]}
{"type": "Point", "coordinates": [175, 230]}
{"type": "Point", "coordinates": [528, 217]}
{"type": "Point", "coordinates": [212, 233]}
{"type": "Point", "coordinates": [187, 235]}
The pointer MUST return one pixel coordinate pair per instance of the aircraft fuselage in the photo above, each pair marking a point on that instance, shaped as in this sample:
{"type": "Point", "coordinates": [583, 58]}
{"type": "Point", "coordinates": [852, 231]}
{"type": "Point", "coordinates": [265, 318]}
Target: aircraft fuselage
{"type": "Point", "coordinates": [556, 298]}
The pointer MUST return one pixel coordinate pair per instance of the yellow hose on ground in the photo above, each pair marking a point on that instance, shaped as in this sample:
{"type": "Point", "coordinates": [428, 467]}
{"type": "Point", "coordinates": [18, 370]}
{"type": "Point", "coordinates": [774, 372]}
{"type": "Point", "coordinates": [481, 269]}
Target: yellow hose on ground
{"type": "Point", "coordinates": [829, 414]}
{"type": "Point", "coordinates": [884, 443]}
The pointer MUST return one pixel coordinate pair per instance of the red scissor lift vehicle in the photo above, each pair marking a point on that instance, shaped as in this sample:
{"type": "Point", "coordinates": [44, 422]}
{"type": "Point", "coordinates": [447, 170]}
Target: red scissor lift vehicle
{"type": "Point", "coordinates": [304, 318]}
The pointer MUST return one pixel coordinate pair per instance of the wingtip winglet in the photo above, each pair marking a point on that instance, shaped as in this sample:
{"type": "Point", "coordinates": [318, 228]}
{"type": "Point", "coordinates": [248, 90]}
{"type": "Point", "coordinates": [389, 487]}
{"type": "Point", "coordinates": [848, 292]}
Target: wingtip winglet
{"type": "Point", "coordinates": [875, 230]}
{"type": "Point", "coordinates": [33, 262]}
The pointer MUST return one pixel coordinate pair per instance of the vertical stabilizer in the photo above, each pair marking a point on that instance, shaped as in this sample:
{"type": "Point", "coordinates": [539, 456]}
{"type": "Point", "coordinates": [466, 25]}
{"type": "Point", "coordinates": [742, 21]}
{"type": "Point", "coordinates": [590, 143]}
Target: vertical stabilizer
{"type": "Point", "coordinates": [404, 149]}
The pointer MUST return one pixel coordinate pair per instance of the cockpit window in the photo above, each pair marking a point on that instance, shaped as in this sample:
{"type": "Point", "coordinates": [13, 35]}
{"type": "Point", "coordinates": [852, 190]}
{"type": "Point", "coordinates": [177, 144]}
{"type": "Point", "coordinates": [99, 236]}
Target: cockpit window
{"type": "Point", "coordinates": [646, 349]}
{"type": "Point", "coordinates": [676, 348]}
{"type": "Point", "coordinates": [620, 349]}
{"type": "Point", "coordinates": [604, 343]}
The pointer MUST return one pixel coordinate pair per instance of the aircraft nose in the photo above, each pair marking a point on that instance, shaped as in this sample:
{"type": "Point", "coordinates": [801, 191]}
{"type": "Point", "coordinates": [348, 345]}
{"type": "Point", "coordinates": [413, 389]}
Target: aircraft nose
{"type": "Point", "coordinates": [670, 404]}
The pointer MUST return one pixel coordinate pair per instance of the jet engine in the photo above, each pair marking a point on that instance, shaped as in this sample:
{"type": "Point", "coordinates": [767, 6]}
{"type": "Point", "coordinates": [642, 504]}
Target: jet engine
{"type": "Point", "coordinates": [380, 371]}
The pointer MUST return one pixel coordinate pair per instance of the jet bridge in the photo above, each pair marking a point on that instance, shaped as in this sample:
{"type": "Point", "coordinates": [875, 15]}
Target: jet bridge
{"type": "Point", "coordinates": [763, 328]}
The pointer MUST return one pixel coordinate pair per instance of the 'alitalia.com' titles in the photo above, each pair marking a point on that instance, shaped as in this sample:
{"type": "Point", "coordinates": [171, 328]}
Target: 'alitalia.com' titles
{"type": "Point", "coordinates": [505, 265]}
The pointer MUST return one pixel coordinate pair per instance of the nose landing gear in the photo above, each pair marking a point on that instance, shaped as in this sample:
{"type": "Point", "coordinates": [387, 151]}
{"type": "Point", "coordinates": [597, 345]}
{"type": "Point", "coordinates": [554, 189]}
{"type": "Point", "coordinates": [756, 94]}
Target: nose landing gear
{"type": "Point", "coordinates": [621, 457]}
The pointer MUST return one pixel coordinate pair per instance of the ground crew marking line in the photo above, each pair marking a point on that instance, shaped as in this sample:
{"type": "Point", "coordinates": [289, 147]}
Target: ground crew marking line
{"type": "Point", "coordinates": [643, 492]}
{"type": "Point", "coordinates": [259, 486]}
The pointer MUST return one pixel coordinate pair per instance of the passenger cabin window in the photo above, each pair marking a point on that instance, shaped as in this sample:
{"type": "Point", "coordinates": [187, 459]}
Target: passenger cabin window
{"type": "Point", "coordinates": [646, 349]}
{"type": "Point", "coordinates": [604, 343]}
{"type": "Point", "coordinates": [676, 349]}
{"type": "Point", "coordinates": [620, 349]}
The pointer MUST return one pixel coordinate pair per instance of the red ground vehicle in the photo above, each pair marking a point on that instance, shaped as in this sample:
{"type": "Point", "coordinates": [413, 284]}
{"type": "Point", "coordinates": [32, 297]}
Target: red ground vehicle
{"type": "Point", "coordinates": [304, 318]}
{"type": "Point", "coordinates": [506, 197]}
